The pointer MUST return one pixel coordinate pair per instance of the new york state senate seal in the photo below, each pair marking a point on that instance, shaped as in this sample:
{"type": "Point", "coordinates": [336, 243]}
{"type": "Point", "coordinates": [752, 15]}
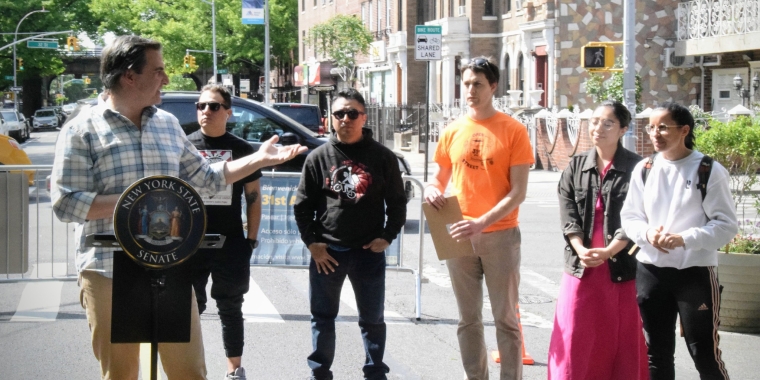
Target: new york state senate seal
{"type": "Point", "coordinates": [160, 221]}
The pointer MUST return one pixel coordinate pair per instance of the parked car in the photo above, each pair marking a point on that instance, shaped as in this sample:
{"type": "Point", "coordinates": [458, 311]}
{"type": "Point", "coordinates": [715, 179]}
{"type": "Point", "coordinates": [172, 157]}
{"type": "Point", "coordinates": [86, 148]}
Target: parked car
{"type": "Point", "coordinates": [16, 124]}
{"type": "Point", "coordinates": [12, 154]}
{"type": "Point", "coordinates": [308, 115]}
{"type": "Point", "coordinates": [45, 118]}
{"type": "Point", "coordinates": [254, 122]}
{"type": "Point", "coordinates": [67, 108]}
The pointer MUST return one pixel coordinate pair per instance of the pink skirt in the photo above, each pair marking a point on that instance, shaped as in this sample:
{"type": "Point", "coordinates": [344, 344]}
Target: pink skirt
{"type": "Point", "coordinates": [597, 330]}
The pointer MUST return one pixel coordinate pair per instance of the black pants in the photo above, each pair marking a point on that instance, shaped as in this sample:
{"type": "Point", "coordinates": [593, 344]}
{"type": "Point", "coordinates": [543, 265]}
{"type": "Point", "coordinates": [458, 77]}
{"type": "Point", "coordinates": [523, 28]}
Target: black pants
{"type": "Point", "coordinates": [694, 294]}
{"type": "Point", "coordinates": [230, 271]}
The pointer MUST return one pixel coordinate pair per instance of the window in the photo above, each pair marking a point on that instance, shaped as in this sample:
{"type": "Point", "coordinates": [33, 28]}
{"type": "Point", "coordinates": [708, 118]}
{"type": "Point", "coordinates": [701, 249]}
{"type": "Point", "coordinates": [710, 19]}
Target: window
{"type": "Point", "coordinates": [520, 74]}
{"type": "Point", "coordinates": [518, 5]}
{"type": "Point", "coordinates": [252, 126]}
{"type": "Point", "coordinates": [507, 74]}
{"type": "Point", "coordinates": [315, 3]}
{"type": "Point", "coordinates": [369, 16]}
{"type": "Point", "coordinates": [451, 8]}
{"type": "Point", "coordinates": [364, 14]}
{"type": "Point", "coordinates": [303, 5]}
{"type": "Point", "coordinates": [304, 43]}
{"type": "Point", "coordinates": [388, 10]}
{"type": "Point", "coordinates": [507, 6]}
{"type": "Point", "coordinates": [400, 8]}
{"type": "Point", "coordinates": [379, 15]}
{"type": "Point", "coordinates": [488, 10]}
{"type": "Point", "coordinates": [724, 94]}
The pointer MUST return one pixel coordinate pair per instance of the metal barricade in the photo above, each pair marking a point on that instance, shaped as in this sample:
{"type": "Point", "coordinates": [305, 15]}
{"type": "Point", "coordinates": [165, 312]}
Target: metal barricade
{"type": "Point", "coordinates": [51, 246]}
{"type": "Point", "coordinates": [46, 250]}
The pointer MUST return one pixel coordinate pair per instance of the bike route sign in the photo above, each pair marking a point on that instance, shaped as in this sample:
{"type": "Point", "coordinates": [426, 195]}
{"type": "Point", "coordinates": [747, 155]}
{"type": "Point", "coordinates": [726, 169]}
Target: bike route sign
{"type": "Point", "coordinates": [427, 45]}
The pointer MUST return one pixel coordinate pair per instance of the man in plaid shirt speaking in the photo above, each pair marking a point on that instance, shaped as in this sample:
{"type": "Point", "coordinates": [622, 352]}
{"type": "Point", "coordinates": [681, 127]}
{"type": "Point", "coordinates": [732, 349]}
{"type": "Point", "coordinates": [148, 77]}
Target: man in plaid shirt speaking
{"type": "Point", "coordinates": [105, 149]}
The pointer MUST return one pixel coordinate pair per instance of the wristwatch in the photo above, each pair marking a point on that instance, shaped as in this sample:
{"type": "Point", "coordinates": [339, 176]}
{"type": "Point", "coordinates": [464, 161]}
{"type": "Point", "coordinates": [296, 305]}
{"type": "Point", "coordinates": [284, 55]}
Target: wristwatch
{"type": "Point", "coordinates": [254, 243]}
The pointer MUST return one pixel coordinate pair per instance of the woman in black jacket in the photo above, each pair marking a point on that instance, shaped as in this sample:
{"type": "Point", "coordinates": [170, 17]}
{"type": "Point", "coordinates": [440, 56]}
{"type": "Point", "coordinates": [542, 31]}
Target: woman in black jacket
{"type": "Point", "coordinates": [597, 329]}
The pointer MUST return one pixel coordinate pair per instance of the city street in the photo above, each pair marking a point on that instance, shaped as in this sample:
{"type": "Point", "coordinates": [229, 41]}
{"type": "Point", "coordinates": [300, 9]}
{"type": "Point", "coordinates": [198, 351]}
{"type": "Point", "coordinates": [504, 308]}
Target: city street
{"type": "Point", "coordinates": [44, 332]}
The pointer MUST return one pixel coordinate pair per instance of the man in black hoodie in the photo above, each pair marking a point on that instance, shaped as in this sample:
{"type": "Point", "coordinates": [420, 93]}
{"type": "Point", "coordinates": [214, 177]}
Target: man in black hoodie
{"type": "Point", "coordinates": [348, 187]}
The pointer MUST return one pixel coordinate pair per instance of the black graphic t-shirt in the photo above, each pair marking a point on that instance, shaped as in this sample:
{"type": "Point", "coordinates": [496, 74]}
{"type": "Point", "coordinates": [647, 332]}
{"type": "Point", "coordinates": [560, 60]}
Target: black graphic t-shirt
{"type": "Point", "coordinates": [223, 209]}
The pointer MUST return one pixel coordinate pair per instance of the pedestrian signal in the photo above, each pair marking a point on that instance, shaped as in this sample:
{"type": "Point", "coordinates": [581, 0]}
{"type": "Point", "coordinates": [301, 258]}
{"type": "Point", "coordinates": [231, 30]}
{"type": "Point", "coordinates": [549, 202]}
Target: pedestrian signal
{"type": "Point", "coordinates": [597, 57]}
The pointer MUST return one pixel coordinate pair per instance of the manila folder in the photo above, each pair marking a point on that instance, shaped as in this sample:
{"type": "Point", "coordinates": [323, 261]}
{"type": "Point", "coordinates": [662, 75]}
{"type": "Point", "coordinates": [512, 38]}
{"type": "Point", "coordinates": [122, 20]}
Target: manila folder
{"type": "Point", "coordinates": [439, 221]}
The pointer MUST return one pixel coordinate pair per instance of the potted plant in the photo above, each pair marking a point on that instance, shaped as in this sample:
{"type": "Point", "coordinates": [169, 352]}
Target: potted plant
{"type": "Point", "coordinates": [736, 145]}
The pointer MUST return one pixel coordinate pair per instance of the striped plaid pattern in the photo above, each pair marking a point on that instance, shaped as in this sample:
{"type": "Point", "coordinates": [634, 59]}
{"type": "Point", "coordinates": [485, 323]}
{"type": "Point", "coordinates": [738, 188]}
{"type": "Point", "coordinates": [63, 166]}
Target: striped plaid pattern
{"type": "Point", "coordinates": [102, 152]}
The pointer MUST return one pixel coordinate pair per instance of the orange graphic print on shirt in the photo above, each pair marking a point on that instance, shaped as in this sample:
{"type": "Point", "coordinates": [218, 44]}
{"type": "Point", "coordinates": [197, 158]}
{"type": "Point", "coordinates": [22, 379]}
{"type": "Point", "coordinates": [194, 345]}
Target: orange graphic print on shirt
{"type": "Point", "coordinates": [350, 180]}
{"type": "Point", "coordinates": [478, 151]}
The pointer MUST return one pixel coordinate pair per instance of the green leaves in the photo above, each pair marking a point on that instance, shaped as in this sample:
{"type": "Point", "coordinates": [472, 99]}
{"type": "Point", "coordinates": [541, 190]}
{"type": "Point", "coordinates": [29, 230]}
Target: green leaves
{"type": "Point", "coordinates": [341, 38]}
{"type": "Point", "coordinates": [736, 145]}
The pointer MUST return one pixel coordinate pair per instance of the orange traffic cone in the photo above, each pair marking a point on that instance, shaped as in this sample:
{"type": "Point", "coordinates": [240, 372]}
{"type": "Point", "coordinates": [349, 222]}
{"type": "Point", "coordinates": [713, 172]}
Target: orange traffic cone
{"type": "Point", "coordinates": [526, 358]}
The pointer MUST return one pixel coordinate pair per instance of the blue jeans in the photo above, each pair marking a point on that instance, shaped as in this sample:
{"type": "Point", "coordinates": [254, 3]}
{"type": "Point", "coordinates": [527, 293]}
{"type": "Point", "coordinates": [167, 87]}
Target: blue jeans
{"type": "Point", "coordinates": [366, 271]}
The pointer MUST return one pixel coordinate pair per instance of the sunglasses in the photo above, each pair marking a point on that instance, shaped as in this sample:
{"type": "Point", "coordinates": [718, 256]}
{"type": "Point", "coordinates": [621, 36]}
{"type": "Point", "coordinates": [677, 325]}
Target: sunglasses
{"type": "Point", "coordinates": [352, 114]}
{"type": "Point", "coordinates": [483, 63]}
{"type": "Point", "coordinates": [213, 106]}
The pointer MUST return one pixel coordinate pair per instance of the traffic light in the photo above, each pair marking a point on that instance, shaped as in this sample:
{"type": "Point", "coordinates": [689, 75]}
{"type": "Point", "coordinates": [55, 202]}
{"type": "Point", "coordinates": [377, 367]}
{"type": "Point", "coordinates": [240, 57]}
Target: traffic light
{"type": "Point", "coordinates": [20, 64]}
{"type": "Point", "coordinates": [192, 61]}
{"type": "Point", "coordinates": [72, 43]}
{"type": "Point", "coordinates": [597, 57]}
{"type": "Point", "coordinates": [187, 60]}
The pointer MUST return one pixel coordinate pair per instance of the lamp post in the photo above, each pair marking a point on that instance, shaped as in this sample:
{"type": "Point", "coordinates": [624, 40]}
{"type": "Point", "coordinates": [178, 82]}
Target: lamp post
{"type": "Point", "coordinates": [213, 33]}
{"type": "Point", "coordinates": [15, 37]}
{"type": "Point", "coordinates": [744, 92]}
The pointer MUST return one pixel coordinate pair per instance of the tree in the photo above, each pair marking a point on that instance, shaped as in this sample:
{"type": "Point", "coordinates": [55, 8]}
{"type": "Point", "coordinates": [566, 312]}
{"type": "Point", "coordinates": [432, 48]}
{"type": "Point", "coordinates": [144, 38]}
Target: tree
{"type": "Point", "coordinates": [186, 24]}
{"type": "Point", "coordinates": [601, 90]}
{"type": "Point", "coordinates": [341, 38]}
{"type": "Point", "coordinates": [62, 15]}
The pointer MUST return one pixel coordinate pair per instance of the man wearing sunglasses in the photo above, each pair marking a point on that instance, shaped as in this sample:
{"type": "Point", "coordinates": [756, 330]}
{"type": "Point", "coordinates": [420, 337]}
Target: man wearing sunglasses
{"type": "Point", "coordinates": [99, 154]}
{"type": "Point", "coordinates": [348, 188]}
{"type": "Point", "coordinates": [487, 156]}
{"type": "Point", "coordinates": [230, 265]}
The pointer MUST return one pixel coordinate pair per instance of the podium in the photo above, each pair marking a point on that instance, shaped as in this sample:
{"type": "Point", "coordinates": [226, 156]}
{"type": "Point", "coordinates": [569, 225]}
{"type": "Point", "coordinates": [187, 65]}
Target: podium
{"type": "Point", "coordinates": [159, 223]}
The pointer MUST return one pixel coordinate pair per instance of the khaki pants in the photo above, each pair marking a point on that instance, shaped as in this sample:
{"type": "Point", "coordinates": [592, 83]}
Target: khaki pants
{"type": "Point", "coordinates": [498, 260]}
{"type": "Point", "coordinates": [180, 361]}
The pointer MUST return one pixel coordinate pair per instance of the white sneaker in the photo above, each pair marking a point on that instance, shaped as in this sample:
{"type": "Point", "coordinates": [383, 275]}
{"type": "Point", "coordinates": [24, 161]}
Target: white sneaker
{"type": "Point", "coordinates": [237, 374]}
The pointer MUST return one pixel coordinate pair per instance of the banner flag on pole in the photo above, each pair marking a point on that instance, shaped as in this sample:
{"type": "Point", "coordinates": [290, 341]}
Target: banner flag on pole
{"type": "Point", "coordinates": [253, 12]}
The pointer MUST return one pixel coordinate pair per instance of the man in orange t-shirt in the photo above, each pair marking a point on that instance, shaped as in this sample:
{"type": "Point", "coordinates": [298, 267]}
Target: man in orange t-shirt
{"type": "Point", "coordinates": [487, 156]}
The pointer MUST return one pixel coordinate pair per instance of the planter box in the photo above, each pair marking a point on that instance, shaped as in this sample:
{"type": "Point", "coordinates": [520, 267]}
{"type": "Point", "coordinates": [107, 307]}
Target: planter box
{"type": "Point", "coordinates": [740, 301]}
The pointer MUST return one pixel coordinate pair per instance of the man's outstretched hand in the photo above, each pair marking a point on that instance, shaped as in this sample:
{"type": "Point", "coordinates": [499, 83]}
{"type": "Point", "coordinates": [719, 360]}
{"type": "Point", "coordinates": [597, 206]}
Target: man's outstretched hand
{"type": "Point", "coordinates": [270, 155]}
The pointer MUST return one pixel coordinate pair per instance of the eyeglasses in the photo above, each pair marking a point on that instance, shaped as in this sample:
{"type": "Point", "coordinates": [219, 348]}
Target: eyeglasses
{"type": "Point", "coordinates": [352, 114]}
{"type": "Point", "coordinates": [213, 106]}
{"type": "Point", "coordinates": [661, 129]}
{"type": "Point", "coordinates": [607, 124]}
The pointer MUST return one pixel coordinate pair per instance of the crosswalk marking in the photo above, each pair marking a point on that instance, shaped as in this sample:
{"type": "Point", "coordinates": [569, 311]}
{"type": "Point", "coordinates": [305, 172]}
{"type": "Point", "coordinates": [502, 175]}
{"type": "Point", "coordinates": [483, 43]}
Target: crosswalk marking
{"type": "Point", "coordinates": [257, 308]}
{"type": "Point", "coordinates": [539, 281]}
{"type": "Point", "coordinates": [348, 297]}
{"type": "Point", "coordinates": [39, 302]}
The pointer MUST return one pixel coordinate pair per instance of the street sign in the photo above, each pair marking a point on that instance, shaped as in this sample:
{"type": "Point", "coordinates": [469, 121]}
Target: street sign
{"type": "Point", "coordinates": [221, 71]}
{"type": "Point", "coordinates": [77, 81]}
{"type": "Point", "coordinates": [42, 44]}
{"type": "Point", "coordinates": [9, 77]}
{"type": "Point", "coordinates": [427, 45]}
{"type": "Point", "coordinates": [16, 89]}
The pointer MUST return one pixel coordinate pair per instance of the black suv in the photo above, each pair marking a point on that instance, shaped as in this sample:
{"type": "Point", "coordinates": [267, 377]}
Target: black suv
{"type": "Point", "coordinates": [307, 114]}
{"type": "Point", "coordinates": [256, 123]}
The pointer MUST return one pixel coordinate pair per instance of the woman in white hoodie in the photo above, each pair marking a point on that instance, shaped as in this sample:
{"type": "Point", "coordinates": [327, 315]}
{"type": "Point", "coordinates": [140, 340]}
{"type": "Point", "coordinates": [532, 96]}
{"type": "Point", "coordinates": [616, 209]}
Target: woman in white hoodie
{"type": "Point", "coordinates": [679, 233]}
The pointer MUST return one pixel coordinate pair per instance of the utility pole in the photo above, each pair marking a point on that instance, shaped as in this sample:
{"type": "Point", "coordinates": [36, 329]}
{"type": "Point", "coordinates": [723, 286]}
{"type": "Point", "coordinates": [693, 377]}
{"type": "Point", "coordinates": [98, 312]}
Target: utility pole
{"type": "Point", "coordinates": [629, 71]}
{"type": "Point", "coordinates": [15, 38]}
{"type": "Point", "coordinates": [266, 52]}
